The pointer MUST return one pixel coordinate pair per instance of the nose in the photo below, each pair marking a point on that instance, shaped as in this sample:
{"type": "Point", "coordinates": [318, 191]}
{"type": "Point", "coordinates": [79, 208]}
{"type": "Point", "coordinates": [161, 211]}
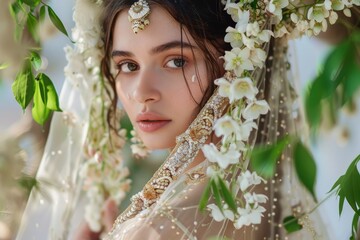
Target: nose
{"type": "Point", "coordinates": [147, 88]}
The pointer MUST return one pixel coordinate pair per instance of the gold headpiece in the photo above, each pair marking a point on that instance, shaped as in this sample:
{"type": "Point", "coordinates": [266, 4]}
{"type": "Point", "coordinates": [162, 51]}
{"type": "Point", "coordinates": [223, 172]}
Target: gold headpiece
{"type": "Point", "coordinates": [138, 13]}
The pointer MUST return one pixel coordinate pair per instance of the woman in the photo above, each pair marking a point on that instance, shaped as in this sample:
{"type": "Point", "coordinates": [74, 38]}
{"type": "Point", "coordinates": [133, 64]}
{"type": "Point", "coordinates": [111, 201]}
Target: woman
{"type": "Point", "coordinates": [165, 75]}
{"type": "Point", "coordinates": [167, 58]}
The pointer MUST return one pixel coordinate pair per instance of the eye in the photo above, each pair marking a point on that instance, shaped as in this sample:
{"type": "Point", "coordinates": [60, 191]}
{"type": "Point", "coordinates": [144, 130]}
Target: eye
{"type": "Point", "coordinates": [127, 67]}
{"type": "Point", "coordinates": [176, 63]}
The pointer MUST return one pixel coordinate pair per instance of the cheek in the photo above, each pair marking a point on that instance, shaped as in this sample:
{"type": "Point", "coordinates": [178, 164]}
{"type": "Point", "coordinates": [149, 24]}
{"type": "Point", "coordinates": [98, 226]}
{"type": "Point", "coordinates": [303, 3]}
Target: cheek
{"type": "Point", "coordinates": [123, 93]}
{"type": "Point", "coordinates": [199, 82]}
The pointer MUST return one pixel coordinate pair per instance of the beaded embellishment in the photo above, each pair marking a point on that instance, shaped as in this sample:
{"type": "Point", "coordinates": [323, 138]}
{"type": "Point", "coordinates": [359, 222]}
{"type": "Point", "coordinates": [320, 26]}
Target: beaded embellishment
{"type": "Point", "coordinates": [186, 149]}
{"type": "Point", "coordinates": [138, 14]}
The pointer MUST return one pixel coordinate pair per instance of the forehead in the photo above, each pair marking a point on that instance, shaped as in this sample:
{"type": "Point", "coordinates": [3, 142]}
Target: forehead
{"type": "Point", "coordinates": [162, 28]}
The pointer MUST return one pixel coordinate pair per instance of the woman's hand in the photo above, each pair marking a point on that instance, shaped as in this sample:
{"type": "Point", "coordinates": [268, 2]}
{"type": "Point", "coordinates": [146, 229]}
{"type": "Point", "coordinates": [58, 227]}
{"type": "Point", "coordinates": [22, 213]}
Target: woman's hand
{"type": "Point", "coordinates": [109, 214]}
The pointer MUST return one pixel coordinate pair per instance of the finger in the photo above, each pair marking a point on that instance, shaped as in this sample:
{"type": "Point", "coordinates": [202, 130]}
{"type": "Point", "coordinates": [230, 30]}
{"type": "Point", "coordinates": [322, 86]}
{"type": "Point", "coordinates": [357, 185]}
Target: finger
{"type": "Point", "coordinates": [110, 213]}
{"type": "Point", "coordinates": [84, 233]}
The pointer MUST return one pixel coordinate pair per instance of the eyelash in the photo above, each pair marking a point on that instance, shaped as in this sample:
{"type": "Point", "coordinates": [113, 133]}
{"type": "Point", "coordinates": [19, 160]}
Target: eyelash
{"type": "Point", "coordinates": [120, 65]}
{"type": "Point", "coordinates": [177, 58]}
{"type": "Point", "coordinates": [123, 63]}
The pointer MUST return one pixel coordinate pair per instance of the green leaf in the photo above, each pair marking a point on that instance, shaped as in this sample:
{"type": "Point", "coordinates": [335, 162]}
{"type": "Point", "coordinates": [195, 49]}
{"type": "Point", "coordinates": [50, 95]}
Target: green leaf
{"type": "Point", "coordinates": [42, 13]}
{"type": "Point", "coordinates": [355, 225]}
{"type": "Point", "coordinates": [264, 158]}
{"type": "Point", "coordinates": [32, 24]}
{"type": "Point", "coordinates": [3, 66]}
{"type": "Point", "coordinates": [27, 183]}
{"type": "Point", "coordinates": [226, 194]}
{"type": "Point", "coordinates": [313, 99]}
{"type": "Point", "coordinates": [14, 10]}
{"type": "Point", "coordinates": [253, 4]}
{"type": "Point", "coordinates": [35, 60]}
{"type": "Point", "coordinates": [56, 21]}
{"type": "Point", "coordinates": [349, 187]}
{"type": "Point", "coordinates": [216, 194]}
{"type": "Point", "coordinates": [23, 88]}
{"type": "Point", "coordinates": [334, 63]}
{"type": "Point", "coordinates": [291, 224]}
{"type": "Point", "coordinates": [40, 112]}
{"type": "Point", "coordinates": [336, 184]}
{"type": "Point", "coordinates": [352, 81]}
{"type": "Point", "coordinates": [205, 197]}
{"type": "Point", "coordinates": [32, 3]}
{"type": "Point", "coordinates": [52, 99]}
{"type": "Point", "coordinates": [305, 167]}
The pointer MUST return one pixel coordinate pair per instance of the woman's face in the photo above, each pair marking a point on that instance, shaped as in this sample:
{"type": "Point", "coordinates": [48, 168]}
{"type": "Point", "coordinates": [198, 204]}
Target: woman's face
{"type": "Point", "coordinates": [150, 81]}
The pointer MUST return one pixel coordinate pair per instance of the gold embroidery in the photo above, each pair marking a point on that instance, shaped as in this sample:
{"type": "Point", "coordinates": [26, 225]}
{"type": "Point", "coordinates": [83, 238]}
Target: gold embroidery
{"type": "Point", "coordinates": [188, 145]}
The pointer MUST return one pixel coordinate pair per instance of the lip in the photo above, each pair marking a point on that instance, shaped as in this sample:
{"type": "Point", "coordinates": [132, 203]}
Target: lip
{"type": "Point", "coordinates": [150, 122]}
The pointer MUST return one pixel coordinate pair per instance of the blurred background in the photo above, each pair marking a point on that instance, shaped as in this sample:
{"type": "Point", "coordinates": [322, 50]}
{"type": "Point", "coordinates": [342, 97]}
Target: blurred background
{"type": "Point", "coordinates": [333, 148]}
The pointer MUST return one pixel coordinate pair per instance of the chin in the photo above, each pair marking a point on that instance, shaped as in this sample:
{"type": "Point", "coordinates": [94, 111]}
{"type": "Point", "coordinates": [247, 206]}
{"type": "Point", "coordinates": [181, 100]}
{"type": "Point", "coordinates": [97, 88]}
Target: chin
{"type": "Point", "coordinates": [158, 145]}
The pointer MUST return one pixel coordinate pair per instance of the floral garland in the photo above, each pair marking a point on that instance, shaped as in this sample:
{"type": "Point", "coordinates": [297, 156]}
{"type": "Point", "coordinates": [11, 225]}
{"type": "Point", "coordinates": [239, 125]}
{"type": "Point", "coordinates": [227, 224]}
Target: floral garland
{"type": "Point", "coordinates": [103, 172]}
{"type": "Point", "coordinates": [249, 36]}
{"type": "Point", "coordinates": [290, 19]}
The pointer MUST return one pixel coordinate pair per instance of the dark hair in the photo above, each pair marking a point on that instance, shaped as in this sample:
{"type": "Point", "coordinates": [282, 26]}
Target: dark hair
{"type": "Point", "coordinates": [205, 20]}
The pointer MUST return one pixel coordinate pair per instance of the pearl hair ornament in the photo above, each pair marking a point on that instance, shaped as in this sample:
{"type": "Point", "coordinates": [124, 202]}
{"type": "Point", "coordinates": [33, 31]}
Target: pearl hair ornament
{"type": "Point", "coordinates": [138, 14]}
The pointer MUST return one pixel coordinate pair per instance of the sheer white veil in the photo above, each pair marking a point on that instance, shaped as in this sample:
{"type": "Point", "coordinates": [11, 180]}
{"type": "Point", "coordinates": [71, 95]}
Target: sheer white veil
{"type": "Point", "coordinates": [51, 206]}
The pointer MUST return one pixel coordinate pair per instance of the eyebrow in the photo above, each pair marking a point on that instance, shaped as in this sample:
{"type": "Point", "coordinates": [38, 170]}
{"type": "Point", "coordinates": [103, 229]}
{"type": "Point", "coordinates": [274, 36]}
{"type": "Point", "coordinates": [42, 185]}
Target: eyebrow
{"type": "Point", "coordinates": [155, 50]}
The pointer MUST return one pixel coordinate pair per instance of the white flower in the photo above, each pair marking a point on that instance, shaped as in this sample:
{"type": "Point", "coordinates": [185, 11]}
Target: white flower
{"type": "Point", "coordinates": [294, 17]}
{"type": "Point", "coordinates": [242, 87]}
{"type": "Point", "coordinates": [233, 37]}
{"type": "Point", "coordinates": [233, 9]}
{"type": "Point", "coordinates": [318, 27]}
{"type": "Point", "coordinates": [276, 6]}
{"type": "Point", "coordinates": [211, 172]}
{"type": "Point", "coordinates": [302, 25]}
{"type": "Point", "coordinates": [318, 13]}
{"type": "Point", "coordinates": [245, 129]}
{"type": "Point", "coordinates": [356, 2]}
{"type": "Point", "coordinates": [249, 216]}
{"type": "Point", "coordinates": [254, 199]}
{"type": "Point", "coordinates": [139, 150]}
{"type": "Point", "coordinates": [238, 60]}
{"type": "Point", "coordinates": [224, 87]}
{"type": "Point", "coordinates": [94, 207]}
{"type": "Point", "coordinates": [248, 42]}
{"type": "Point", "coordinates": [347, 12]}
{"type": "Point", "coordinates": [280, 32]}
{"type": "Point", "coordinates": [243, 21]}
{"type": "Point", "coordinates": [225, 126]}
{"type": "Point", "coordinates": [265, 35]}
{"type": "Point", "coordinates": [255, 109]}
{"type": "Point", "coordinates": [258, 57]}
{"type": "Point", "coordinates": [333, 17]}
{"type": "Point", "coordinates": [247, 179]}
{"type": "Point", "coordinates": [222, 159]}
{"type": "Point", "coordinates": [327, 4]}
{"type": "Point", "coordinates": [221, 216]}
{"type": "Point", "coordinates": [252, 29]}
{"type": "Point", "coordinates": [337, 5]}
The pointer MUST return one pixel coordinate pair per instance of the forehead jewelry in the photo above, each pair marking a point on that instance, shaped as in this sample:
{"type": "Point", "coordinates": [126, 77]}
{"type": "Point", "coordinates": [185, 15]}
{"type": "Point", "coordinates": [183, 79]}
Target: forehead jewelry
{"type": "Point", "coordinates": [138, 14]}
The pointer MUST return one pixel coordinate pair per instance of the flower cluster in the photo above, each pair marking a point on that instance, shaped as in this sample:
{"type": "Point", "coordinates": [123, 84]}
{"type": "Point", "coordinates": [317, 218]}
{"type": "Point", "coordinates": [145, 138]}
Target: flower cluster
{"type": "Point", "coordinates": [103, 172]}
{"type": "Point", "coordinates": [304, 18]}
{"type": "Point", "coordinates": [249, 37]}
{"type": "Point", "coordinates": [252, 212]}
{"type": "Point", "coordinates": [138, 148]}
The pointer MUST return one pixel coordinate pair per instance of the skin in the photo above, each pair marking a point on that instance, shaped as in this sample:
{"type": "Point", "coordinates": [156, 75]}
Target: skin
{"type": "Point", "coordinates": [150, 77]}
